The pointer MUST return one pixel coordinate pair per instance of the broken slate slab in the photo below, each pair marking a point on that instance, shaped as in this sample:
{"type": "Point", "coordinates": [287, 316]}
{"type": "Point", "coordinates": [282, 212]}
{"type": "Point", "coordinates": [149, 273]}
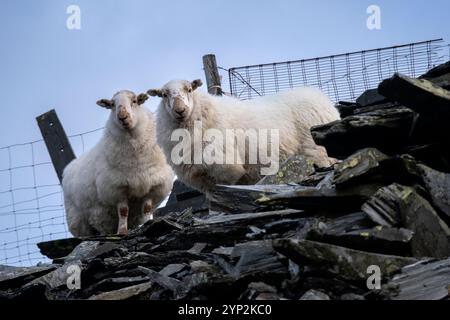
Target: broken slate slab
{"type": "Point", "coordinates": [425, 280]}
{"type": "Point", "coordinates": [260, 291]}
{"type": "Point", "coordinates": [438, 185]}
{"type": "Point", "coordinates": [314, 295]}
{"type": "Point", "coordinates": [250, 217]}
{"type": "Point", "coordinates": [437, 71]}
{"type": "Point", "coordinates": [398, 205]}
{"type": "Point", "coordinates": [431, 234]}
{"type": "Point", "coordinates": [155, 228]}
{"type": "Point", "coordinates": [13, 277]}
{"type": "Point", "coordinates": [58, 277]}
{"type": "Point", "coordinates": [369, 98]}
{"type": "Point", "coordinates": [388, 130]}
{"type": "Point", "coordinates": [58, 248]}
{"type": "Point", "coordinates": [345, 263]}
{"type": "Point", "coordinates": [166, 282]}
{"type": "Point", "coordinates": [80, 252]}
{"type": "Point", "coordinates": [172, 269]}
{"type": "Point", "coordinates": [124, 293]}
{"type": "Point", "coordinates": [322, 198]}
{"type": "Point", "coordinates": [197, 248]}
{"type": "Point", "coordinates": [357, 231]}
{"type": "Point", "coordinates": [239, 199]}
{"type": "Point", "coordinates": [358, 165]}
{"type": "Point", "coordinates": [420, 95]}
{"type": "Point", "coordinates": [293, 170]}
{"type": "Point", "coordinates": [383, 207]}
{"type": "Point", "coordinates": [256, 259]}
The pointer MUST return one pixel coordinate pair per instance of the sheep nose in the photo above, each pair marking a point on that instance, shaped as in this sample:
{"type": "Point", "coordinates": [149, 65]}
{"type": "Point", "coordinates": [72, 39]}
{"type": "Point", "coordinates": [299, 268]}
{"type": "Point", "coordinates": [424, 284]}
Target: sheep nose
{"type": "Point", "coordinates": [123, 114]}
{"type": "Point", "coordinates": [179, 111]}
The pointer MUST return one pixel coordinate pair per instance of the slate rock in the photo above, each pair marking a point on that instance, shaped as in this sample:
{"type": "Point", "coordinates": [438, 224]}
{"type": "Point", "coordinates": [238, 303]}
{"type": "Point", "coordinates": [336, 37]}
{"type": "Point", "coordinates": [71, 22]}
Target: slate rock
{"type": "Point", "coordinates": [425, 280]}
{"type": "Point", "coordinates": [172, 269]}
{"type": "Point", "coordinates": [420, 95]}
{"type": "Point", "coordinates": [321, 198]}
{"type": "Point", "coordinates": [111, 284]}
{"type": "Point", "coordinates": [352, 297]}
{"type": "Point", "coordinates": [260, 291]}
{"type": "Point", "coordinates": [388, 130]}
{"type": "Point", "coordinates": [315, 295]}
{"type": "Point", "coordinates": [431, 234]}
{"type": "Point", "coordinates": [239, 199]}
{"type": "Point", "coordinates": [58, 248]}
{"type": "Point", "coordinates": [56, 278]}
{"type": "Point", "coordinates": [13, 277]}
{"type": "Point", "coordinates": [370, 97]}
{"type": "Point", "coordinates": [131, 292]}
{"type": "Point", "coordinates": [293, 170]}
{"type": "Point", "coordinates": [358, 165]}
{"type": "Point", "coordinates": [438, 186]}
{"type": "Point", "coordinates": [356, 231]}
{"type": "Point", "coordinates": [258, 258]}
{"type": "Point", "coordinates": [383, 208]}
{"type": "Point", "coordinates": [346, 263]}
{"type": "Point", "coordinates": [80, 252]}
{"type": "Point", "coordinates": [181, 192]}
{"type": "Point", "coordinates": [437, 71]}
{"type": "Point", "coordinates": [249, 218]}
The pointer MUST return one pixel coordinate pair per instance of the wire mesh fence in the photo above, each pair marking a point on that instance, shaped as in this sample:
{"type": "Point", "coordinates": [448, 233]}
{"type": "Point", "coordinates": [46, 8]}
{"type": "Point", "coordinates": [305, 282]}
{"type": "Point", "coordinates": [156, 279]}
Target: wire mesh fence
{"type": "Point", "coordinates": [31, 199]}
{"type": "Point", "coordinates": [342, 77]}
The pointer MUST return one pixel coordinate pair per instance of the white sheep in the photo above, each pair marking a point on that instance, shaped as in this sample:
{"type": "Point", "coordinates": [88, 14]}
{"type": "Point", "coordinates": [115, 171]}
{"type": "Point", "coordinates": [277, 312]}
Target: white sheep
{"type": "Point", "coordinates": [125, 166]}
{"type": "Point", "coordinates": [292, 112]}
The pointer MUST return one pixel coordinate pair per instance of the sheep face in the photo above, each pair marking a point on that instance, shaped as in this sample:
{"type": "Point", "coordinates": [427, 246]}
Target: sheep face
{"type": "Point", "coordinates": [177, 97]}
{"type": "Point", "coordinates": [125, 106]}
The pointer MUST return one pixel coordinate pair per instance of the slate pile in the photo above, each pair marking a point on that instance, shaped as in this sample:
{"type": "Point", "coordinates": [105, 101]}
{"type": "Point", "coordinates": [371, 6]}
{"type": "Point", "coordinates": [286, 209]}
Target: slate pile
{"type": "Point", "coordinates": [375, 226]}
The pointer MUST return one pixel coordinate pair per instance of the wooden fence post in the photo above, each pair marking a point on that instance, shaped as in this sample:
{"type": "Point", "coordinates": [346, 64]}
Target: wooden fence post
{"type": "Point", "coordinates": [56, 140]}
{"type": "Point", "coordinates": [212, 74]}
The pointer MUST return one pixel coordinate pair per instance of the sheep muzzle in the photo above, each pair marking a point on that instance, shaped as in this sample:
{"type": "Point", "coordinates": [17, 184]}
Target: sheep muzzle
{"type": "Point", "coordinates": [123, 114]}
{"type": "Point", "coordinates": [179, 106]}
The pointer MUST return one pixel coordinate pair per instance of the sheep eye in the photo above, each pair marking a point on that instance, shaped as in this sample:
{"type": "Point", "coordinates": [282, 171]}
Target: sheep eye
{"type": "Point", "coordinates": [190, 90]}
{"type": "Point", "coordinates": [165, 95]}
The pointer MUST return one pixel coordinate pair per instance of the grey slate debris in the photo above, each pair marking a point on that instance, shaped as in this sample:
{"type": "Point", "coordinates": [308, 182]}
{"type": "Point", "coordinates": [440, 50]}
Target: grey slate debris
{"type": "Point", "coordinates": [306, 233]}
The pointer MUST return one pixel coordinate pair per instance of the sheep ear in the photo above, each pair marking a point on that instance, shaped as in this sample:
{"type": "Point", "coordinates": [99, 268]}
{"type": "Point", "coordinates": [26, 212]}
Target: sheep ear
{"type": "Point", "coordinates": [196, 83]}
{"type": "Point", "coordinates": [142, 98]}
{"type": "Point", "coordinates": [105, 103]}
{"type": "Point", "coordinates": [155, 93]}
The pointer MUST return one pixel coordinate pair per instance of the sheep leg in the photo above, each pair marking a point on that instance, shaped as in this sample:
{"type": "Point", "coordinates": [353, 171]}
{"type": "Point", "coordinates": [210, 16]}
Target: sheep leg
{"type": "Point", "coordinates": [147, 209]}
{"type": "Point", "coordinates": [123, 210]}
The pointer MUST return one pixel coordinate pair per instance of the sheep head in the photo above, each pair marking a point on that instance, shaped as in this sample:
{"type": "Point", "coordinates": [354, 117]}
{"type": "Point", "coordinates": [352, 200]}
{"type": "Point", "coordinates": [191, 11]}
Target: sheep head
{"type": "Point", "coordinates": [177, 97]}
{"type": "Point", "coordinates": [125, 106]}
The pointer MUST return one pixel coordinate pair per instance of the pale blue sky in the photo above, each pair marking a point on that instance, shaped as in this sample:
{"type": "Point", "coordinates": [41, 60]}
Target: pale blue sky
{"type": "Point", "coordinates": [140, 44]}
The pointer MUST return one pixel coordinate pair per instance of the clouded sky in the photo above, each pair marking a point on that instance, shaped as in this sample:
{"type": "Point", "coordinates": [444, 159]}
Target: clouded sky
{"type": "Point", "coordinates": [141, 44]}
{"type": "Point", "coordinates": [138, 44]}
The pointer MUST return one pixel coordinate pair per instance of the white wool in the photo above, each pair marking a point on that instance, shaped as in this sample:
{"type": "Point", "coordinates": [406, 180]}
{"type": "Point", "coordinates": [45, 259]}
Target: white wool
{"type": "Point", "coordinates": [292, 112]}
{"type": "Point", "coordinates": [123, 165]}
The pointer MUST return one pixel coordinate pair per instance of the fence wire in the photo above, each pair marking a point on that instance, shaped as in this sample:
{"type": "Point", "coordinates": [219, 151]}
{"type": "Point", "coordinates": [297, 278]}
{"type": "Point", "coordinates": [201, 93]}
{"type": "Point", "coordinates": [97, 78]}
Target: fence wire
{"type": "Point", "coordinates": [342, 77]}
{"type": "Point", "coordinates": [31, 199]}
